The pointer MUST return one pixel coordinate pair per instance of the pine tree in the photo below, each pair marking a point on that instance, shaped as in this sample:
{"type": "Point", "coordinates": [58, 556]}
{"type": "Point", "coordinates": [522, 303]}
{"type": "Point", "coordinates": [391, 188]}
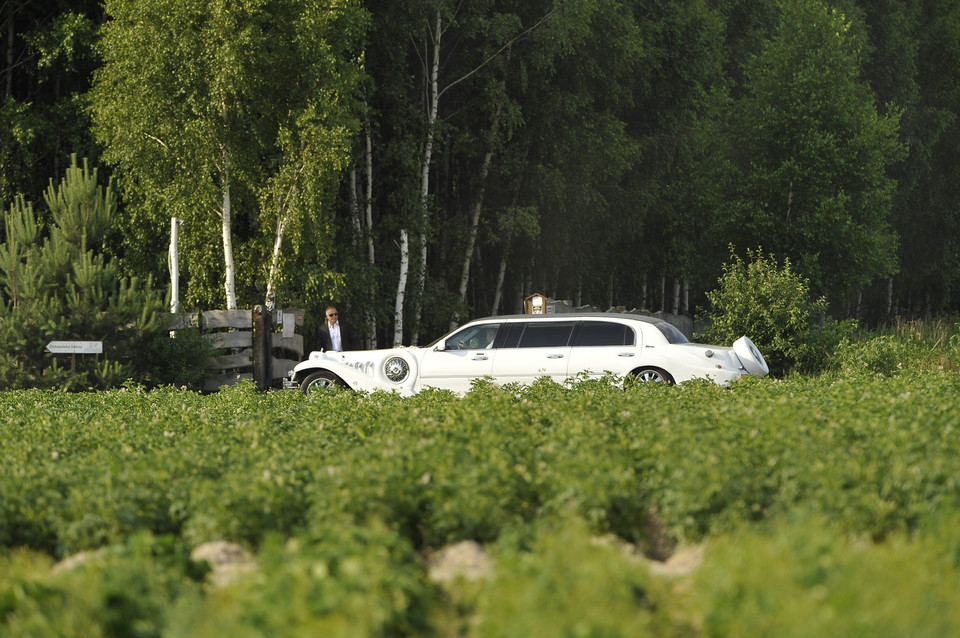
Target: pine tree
{"type": "Point", "coordinates": [57, 284]}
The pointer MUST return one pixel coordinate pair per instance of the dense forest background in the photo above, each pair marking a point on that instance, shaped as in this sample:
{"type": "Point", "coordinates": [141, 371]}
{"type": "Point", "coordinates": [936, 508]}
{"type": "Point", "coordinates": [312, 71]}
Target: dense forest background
{"type": "Point", "coordinates": [422, 162]}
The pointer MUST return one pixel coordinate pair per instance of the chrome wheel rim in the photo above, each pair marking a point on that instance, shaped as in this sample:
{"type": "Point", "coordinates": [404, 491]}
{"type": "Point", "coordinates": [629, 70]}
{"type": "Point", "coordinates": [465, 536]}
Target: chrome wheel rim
{"type": "Point", "coordinates": [396, 369]}
{"type": "Point", "coordinates": [647, 376]}
{"type": "Point", "coordinates": [320, 384]}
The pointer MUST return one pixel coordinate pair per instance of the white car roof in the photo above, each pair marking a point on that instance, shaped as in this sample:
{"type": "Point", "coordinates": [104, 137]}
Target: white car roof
{"type": "Point", "coordinates": [568, 316]}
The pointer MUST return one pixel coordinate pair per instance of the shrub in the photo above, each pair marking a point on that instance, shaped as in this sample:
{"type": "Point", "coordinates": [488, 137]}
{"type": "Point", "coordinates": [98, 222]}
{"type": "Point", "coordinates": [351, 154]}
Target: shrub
{"type": "Point", "coordinates": [179, 361]}
{"type": "Point", "coordinates": [883, 355]}
{"type": "Point", "coordinates": [772, 305]}
{"type": "Point", "coordinates": [128, 589]}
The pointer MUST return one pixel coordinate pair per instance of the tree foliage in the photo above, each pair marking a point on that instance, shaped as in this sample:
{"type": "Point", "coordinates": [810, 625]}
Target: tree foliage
{"type": "Point", "coordinates": [57, 285]}
{"type": "Point", "coordinates": [49, 52]}
{"type": "Point", "coordinates": [602, 151]}
{"type": "Point", "coordinates": [230, 116]}
{"type": "Point", "coordinates": [810, 176]}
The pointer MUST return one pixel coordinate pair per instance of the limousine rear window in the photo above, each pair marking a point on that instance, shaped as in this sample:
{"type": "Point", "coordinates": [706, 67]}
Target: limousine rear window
{"type": "Point", "coordinates": [604, 333]}
{"type": "Point", "coordinates": [671, 332]}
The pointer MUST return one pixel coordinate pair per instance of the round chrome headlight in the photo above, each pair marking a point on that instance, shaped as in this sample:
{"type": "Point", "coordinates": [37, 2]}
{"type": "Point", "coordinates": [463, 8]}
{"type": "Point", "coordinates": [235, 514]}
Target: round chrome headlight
{"type": "Point", "coordinates": [396, 369]}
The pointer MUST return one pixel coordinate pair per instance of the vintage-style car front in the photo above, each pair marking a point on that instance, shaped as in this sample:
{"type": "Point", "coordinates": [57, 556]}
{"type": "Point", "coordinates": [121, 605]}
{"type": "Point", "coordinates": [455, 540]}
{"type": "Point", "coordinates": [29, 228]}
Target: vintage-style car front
{"type": "Point", "coordinates": [393, 369]}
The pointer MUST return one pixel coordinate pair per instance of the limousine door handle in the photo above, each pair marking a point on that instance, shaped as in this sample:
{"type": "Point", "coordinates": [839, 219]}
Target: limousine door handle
{"type": "Point", "coordinates": [481, 357]}
{"type": "Point", "coordinates": [554, 356]}
{"type": "Point", "coordinates": [625, 354]}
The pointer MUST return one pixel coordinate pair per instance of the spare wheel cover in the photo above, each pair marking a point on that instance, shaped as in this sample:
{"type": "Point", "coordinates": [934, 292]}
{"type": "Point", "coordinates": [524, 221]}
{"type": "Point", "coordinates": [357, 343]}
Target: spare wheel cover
{"type": "Point", "coordinates": [753, 362]}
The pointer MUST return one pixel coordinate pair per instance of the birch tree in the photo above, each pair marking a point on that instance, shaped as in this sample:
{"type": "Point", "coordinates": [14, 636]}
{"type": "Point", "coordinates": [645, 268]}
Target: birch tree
{"type": "Point", "coordinates": [434, 37]}
{"type": "Point", "coordinates": [441, 20]}
{"type": "Point", "coordinates": [229, 115]}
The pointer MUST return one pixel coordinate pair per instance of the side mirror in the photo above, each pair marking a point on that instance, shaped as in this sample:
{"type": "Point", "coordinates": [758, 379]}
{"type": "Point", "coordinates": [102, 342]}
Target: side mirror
{"type": "Point", "coordinates": [440, 347]}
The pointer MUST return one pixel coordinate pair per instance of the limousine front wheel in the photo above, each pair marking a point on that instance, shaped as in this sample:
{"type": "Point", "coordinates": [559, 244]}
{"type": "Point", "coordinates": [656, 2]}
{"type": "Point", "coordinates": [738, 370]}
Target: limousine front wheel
{"type": "Point", "coordinates": [650, 375]}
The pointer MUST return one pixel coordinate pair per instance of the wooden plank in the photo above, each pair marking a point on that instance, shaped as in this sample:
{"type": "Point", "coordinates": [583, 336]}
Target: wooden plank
{"type": "Point", "coordinates": [212, 385]}
{"type": "Point", "coordinates": [237, 339]}
{"type": "Point", "coordinates": [280, 367]}
{"type": "Point", "coordinates": [227, 319]}
{"type": "Point", "coordinates": [180, 320]}
{"type": "Point", "coordinates": [294, 343]}
{"type": "Point", "coordinates": [230, 361]}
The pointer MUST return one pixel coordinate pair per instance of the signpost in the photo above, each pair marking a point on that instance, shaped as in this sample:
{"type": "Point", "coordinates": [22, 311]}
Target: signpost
{"type": "Point", "coordinates": [73, 348]}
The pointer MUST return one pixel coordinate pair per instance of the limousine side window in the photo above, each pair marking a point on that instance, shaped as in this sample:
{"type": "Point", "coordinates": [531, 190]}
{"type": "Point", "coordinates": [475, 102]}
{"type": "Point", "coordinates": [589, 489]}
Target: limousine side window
{"type": "Point", "coordinates": [546, 335]}
{"type": "Point", "coordinates": [605, 333]}
{"type": "Point", "coordinates": [474, 338]}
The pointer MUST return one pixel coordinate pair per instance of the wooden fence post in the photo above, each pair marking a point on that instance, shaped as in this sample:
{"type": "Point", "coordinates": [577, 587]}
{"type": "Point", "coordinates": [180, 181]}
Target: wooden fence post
{"type": "Point", "coordinates": [261, 348]}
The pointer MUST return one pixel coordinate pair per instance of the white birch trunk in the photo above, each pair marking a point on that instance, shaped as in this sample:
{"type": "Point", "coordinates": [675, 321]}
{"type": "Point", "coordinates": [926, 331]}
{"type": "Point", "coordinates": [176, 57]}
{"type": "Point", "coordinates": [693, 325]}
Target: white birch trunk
{"type": "Point", "coordinates": [498, 291]}
{"type": "Point", "coordinates": [477, 210]}
{"type": "Point", "coordinates": [369, 199]}
{"type": "Point", "coordinates": [174, 262]}
{"type": "Point", "coordinates": [889, 298]}
{"type": "Point", "coordinates": [663, 293]}
{"type": "Point", "coordinates": [368, 210]}
{"type": "Point", "coordinates": [271, 301]}
{"type": "Point", "coordinates": [401, 287]}
{"type": "Point", "coordinates": [354, 207]}
{"type": "Point", "coordinates": [283, 217]}
{"type": "Point", "coordinates": [227, 221]}
{"type": "Point", "coordinates": [434, 99]}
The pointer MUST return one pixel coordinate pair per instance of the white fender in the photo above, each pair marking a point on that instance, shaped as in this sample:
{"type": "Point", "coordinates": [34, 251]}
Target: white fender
{"type": "Point", "coordinates": [753, 362]}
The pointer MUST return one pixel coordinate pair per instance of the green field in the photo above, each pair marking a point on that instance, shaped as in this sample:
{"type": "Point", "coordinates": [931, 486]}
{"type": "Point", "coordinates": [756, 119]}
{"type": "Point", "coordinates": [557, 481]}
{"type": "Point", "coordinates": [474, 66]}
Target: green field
{"type": "Point", "coordinates": [820, 506]}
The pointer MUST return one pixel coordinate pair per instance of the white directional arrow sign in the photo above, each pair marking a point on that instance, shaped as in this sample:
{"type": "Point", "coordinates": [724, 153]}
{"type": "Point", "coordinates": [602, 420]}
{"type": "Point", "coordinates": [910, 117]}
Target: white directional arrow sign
{"type": "Point", "coordinates": [75, 347]}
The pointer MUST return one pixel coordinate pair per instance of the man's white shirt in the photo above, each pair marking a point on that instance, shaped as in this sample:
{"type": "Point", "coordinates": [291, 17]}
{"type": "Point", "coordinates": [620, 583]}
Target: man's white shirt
{"type": "Point", "coordinates": [336, 343]}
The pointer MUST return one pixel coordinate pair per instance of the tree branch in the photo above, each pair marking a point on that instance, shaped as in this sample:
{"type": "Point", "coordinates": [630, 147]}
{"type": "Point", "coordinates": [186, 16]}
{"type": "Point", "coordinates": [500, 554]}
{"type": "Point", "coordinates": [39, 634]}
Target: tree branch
{"type": "Point", "coordinates": [499, 51]}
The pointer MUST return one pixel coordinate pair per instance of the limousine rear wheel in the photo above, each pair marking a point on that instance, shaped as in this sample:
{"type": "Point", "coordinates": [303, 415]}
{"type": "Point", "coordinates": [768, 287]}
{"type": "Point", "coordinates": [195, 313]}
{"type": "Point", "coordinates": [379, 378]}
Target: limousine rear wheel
{"type": "Point", "coordinates": [320, 381]}
{"type": "Point", "coordinates": [650, 375]}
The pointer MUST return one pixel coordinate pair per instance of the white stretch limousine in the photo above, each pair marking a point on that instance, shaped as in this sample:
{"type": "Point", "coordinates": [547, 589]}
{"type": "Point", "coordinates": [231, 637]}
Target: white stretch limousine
{"type": "Point", "coordinates": [522, 348]}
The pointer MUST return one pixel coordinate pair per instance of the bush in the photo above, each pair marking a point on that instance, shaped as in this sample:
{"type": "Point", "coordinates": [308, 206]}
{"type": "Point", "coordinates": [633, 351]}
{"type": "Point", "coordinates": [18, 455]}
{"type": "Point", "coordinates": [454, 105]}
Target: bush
{"type": "Point", "coordinates": [883, 356]}
{"type": "Point", "coordinates": [173, 360]}
{"type": "Point", "coordinates": [128, 589]}
{"type": "Point", "coordinates": [772, 305]}
{"type": "Point", "coordinates": [909, 346]}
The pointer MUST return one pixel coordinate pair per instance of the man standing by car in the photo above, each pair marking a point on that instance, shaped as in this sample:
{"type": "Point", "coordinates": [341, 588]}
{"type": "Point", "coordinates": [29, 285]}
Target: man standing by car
{"type": "Point", "coordinates": [335, 335]}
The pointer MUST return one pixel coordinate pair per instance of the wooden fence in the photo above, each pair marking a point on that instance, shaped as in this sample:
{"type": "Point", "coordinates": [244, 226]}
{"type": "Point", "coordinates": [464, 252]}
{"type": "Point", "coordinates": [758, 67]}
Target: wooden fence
{"type": "Point", "coordinates": [248, 344]}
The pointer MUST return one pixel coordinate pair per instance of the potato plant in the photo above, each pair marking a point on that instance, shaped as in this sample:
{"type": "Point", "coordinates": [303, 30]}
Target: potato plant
{"type": "Point", "coordinates": [343, 498]}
